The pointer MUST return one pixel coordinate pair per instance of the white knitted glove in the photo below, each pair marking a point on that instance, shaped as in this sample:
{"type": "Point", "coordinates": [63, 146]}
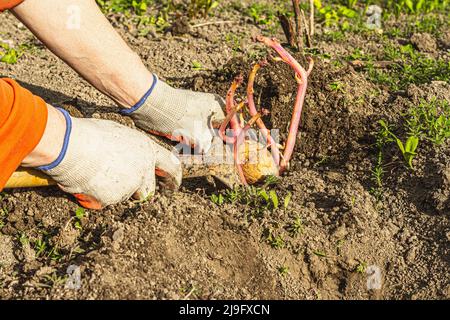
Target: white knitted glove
{"type": "Point", "coordinates": [181, 115]}
{"type": "Point", "coordinates": [103, 163]}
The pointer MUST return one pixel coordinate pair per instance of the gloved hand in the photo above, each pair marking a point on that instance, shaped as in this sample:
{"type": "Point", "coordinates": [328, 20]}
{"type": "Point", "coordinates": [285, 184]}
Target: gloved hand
{"type": "Point", "coordinates": [180, 115]}
{"type": "Point", "coordinates": [104, 163]}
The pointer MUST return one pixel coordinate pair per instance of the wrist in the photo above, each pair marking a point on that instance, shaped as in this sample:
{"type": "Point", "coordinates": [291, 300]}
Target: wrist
{"type": "Point", "coordinates": [143, 99]}
{"type": "Point", "coordinates": [51, 144]}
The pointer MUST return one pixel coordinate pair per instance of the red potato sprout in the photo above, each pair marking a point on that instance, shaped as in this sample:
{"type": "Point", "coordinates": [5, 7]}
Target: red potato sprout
{"type": "Point", "coordinates": [253, 160]}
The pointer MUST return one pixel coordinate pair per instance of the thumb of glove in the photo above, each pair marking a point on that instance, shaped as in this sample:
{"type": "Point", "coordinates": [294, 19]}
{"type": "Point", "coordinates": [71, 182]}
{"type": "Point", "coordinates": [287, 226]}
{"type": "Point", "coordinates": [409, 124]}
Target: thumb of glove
{"type": "Point", "coordinates": [148, 185]}
{"type": "Point", "coordinates": [168, 168]}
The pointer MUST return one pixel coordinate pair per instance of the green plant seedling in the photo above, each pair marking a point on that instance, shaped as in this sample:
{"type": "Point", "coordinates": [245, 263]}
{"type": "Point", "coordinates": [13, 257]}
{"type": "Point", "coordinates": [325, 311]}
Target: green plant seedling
{"type": "Point", "coordinates": [217, 199]}
{"type": "Point", "coordinates": [320, 253]}
{"type": "Point", "coordinates": [197, 66]}
{"type": "Point", "coordinates": [287, 200]}
{"type": "Point", "coordinates": [361, 268]}
{"type": "Point", "coordinates": [8, 54]}
{"type": "Point", "coordinates": [296, 226]}
{"type": "Point", "coordinates": [79, 215]}
{"type": "Point", "coordinates": [408, 149]}
{"type": "Point", "coordinates": [201, 7]}
{"type": "Point", "coordinates": [283, 270]}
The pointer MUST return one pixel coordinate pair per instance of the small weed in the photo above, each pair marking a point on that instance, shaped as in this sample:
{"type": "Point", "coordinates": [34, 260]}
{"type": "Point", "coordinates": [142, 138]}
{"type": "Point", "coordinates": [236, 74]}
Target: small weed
{"type": "Point", "coordinates": [217, 199]}
{"type": "Point", "coordinates": [259, 199]}
{"type": "Point", "coordinates": [201, 7]}
{"type": "Point", "coordinates": [190, 291]}
{"type": "Point", "coordinates": [197, 66]}
{"type": "Point", "coordinates": [262, 14]}
{"type": "Point", "coordinates": [296, 226]}
{"type": "Point", "coordinates": [275, 241]}
{"type": "Point", "coordinates": [44, 249]}
{"type": "Point", "coordinates": [265, 15]}
{"type": "Point", "coordinates": [361, 268]}
{"type": "Point", "coordinates": [323, 160]}
{"type": "Point", "coordinates": [234, 41]}
{"type": "Point", "coordinates": [80, 213]}
{"type": "Point", "coordinates": [408, 149]}
{"type": "Point", "coordinates": [23, 239]}
{"type": "Point", "coordinates": [358, 54]}
{"type": "Point", "coordinates": [40, 246]}
{"type": "Point", "coordinates": [287, 200]}
{"type": "Point", "coordinates": [54, 280]}
{"type": "Point", "coordinates": [10, 55]}
{"type": "Point", "coordinates": [320, 253]}
{"type": "Point", "coordinates": [158, 21]}
{"type": "Point", "coordinates": [283, 271]}
{"type": "Point", "coordinates": [337, 86]}
{"type": "Point", "coordinates": [353, 201]}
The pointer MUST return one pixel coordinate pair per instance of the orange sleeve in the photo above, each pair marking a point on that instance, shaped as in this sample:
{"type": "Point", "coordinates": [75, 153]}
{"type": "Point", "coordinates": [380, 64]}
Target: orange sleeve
{"type": "Point", "coordinates": [8, 4]}
{"type": "Point", "coordinates": [23, 118]}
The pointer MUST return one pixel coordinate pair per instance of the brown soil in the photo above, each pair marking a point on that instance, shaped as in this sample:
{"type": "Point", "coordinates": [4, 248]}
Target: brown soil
{"type": "Point", "coordinates": [182, 245]}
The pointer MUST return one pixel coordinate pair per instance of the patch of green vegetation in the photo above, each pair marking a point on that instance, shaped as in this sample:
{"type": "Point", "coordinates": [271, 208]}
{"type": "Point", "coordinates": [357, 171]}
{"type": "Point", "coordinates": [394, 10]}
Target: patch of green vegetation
{"type": "Point", "coordinates": [275, 240]}
{"type": "Point", "coordinates": [361, 267]}
{"type": "Point", "coordinates": [429, 121]}
{"type": "Point", "coordinates": [337, 86]}
{"type": "Point", "coordinates": [45, 250]}
{"type": "Point", "coordinates": [337, 13]}
{"type": "Point", "coordinates": [149, 15]}
{"type": "Point", "coordinates": [259, 198]}
{"type": "Point", "coordinates": [197, 66]}
{"type": "Point", "coordinates": [201, 7]}
{"type": "Point", "coordinates": [408, 149]}
{"type": "Point", "coordinates": [139, 7]}
{"type": "Point", "coordinates": [342, 16]}
{"type": "Point", "coordinates": [159, 21]}
{"type": "Point", "coordinates": [234, 40]}
{"type": "Point", "coordinates": [192, 8]}
{"type": "Point", "coordinates": [262, 13]}
{"type": "Point", "coordinates": [358, 54]}
{"type": "Point", "coordinates": [296, 226]}
{"type": "Point", "coordinates": [266, 14]}
{"type": "Point", "coordinates": [283, 271]}
{"type": "Point", "coordinates": [398, 7]}
{"type": "Point", "coordinates": [80, 213]}
{"type": "Point", "coordinates": [9, 54]}
{"type": "Point", "coordinates": [23, 239]}
{"type": "Point", "coordinates": [409, 67]}
{"type": "Point", "coordinates": [320, 253]}
{"type": "Point", "coordinates": [334, 35]}
{"type": "Point", "coordinates": [430, 23]}
{"type": "Point", "coordinates": [54, 280]}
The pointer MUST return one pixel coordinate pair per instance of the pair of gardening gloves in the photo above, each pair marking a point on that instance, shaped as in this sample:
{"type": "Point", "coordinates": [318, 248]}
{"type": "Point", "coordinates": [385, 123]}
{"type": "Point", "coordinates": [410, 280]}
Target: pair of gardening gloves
{"type": "Point", "coordinates": [104, 163]}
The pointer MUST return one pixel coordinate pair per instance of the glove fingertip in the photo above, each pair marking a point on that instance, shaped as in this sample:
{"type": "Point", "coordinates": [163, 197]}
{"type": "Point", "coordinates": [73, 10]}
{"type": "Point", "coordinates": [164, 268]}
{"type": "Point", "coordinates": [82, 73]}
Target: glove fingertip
{"type": "Point", "coordinates": [88, 202]}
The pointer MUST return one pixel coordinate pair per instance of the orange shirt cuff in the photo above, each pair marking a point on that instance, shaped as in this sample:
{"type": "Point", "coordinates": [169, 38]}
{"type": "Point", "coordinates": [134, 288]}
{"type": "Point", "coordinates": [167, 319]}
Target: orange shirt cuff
{"type": "Point", "coordinates": [8, 4]}
{"type": "Point", "coordinates": [23, 118]}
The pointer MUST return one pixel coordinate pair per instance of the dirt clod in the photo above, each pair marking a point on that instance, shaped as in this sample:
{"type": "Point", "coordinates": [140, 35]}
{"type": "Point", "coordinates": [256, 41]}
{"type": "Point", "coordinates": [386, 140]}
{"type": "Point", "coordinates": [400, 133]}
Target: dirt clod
{"type": "Point", "coordinates": [424, 42]}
